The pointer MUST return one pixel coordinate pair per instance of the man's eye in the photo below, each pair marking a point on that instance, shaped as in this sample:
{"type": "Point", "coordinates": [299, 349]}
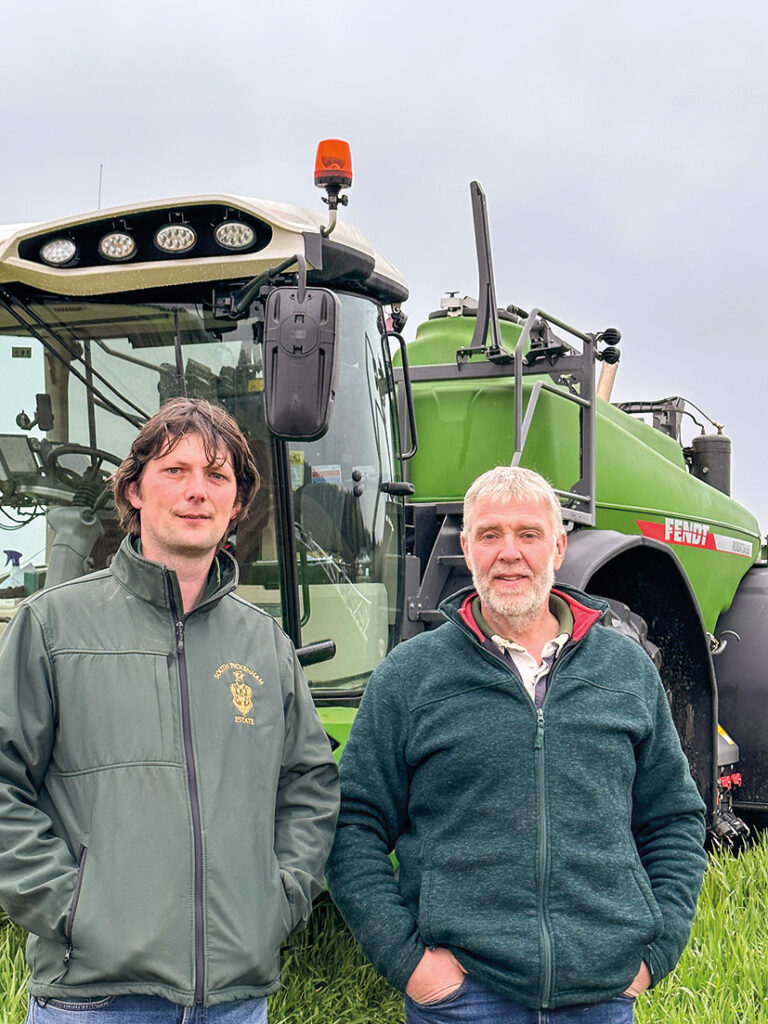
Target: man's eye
{"type": "Point", "coordinates": [173, 470]}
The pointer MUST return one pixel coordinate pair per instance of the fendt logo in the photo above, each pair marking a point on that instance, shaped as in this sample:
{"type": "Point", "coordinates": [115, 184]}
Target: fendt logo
{"type": "Point", "coordinates": [680, 531]}
{"type": "Point", "coordinates": [691, 534]}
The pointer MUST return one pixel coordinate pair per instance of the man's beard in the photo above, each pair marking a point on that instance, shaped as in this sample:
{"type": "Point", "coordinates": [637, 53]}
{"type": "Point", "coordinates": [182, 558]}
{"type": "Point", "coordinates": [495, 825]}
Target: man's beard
{"type": "Point", "coordinates": [517, 608]}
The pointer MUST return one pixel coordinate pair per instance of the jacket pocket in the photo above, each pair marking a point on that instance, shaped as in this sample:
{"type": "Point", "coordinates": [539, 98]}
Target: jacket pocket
{"type": "Point", "coordinates": [294, 898]}
{"type": "Point", "coordinates": [123, 710]}
{"type": "Point", "coordinates": [602, 916]}
{"type": "Point", "coordinates": [76, 896]}
{"type": "Point", "coordinates": [131, 918]}
{"type": "Point", "coordinates": [70, 922]}
{"type": "Point", "coordinates": [644, 885]}
{"type": "Point", "coordinates": [423, 921]}
{"type": "Point", "coordinates": [244, 935]}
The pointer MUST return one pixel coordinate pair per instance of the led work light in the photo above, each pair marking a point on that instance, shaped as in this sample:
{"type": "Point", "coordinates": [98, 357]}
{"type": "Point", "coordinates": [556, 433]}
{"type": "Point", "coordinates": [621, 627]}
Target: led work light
{"type": "Point", "coordinates": [233, 234]}
{"type": "Point", "coordinates": [58, 252]}
{"type": "Point", "coordinates": [117, 245]}
{"type": "Point", "coordinates": [175, 238]}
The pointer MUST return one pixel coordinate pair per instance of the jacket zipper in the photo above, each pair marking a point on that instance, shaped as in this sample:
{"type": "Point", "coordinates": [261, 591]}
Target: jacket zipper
{"type": "Point", "coordinates": [543, 856]}
{"type": "Point", "coordinates": [70, 922]}
{"type": "Point", "coordinates": [543, 830]}
{"type": "Point", "coordinates": [194, 802]}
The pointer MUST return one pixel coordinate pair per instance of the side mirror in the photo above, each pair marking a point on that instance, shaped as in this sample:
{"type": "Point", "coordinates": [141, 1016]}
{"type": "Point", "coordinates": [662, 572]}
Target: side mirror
{"type": "Point", "coordinates": [43, 415]}
{"type": "Point", "coordinates": [301, 339]}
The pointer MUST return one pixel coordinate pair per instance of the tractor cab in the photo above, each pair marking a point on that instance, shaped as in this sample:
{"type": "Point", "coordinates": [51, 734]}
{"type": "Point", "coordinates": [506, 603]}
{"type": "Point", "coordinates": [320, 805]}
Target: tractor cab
{"type": "Point", "coordinates": [256, 307]}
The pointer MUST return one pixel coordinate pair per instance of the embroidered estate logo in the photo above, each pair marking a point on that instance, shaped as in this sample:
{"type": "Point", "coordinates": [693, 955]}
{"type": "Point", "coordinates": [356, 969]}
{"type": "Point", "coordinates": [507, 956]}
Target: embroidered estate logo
{"type": "Point", "coordinates": [242, 693]}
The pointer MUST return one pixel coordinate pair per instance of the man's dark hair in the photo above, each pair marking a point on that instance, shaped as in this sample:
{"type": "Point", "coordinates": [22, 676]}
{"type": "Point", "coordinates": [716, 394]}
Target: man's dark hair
{"type": "Point", "coordinates": [160, 435]}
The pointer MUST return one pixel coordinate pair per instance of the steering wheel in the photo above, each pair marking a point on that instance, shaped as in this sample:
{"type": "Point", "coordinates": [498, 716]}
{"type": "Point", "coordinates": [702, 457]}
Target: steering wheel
{"type": "Point", "coordinates": [69, 477]}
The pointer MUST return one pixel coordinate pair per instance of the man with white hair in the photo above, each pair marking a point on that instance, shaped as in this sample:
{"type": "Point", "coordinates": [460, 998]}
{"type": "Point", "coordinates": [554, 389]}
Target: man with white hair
{"type": "Point", "coordinates": [522, 763]}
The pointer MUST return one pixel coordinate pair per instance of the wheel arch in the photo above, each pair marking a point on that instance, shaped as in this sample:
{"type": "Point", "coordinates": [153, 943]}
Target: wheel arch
{"type": "Point", "coordinates": [648, 577]}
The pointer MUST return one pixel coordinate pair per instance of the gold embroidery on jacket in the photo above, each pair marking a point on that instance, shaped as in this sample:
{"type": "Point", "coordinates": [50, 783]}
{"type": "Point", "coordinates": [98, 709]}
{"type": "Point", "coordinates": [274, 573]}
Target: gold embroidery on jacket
{"type": "Point", "coordinates": [242, 693]}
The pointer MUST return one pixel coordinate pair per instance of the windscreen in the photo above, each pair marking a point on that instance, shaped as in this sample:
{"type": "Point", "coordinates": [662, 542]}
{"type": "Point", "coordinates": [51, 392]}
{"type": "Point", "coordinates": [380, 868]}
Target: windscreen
{"type": "Point", "coordinates": [80, 377]}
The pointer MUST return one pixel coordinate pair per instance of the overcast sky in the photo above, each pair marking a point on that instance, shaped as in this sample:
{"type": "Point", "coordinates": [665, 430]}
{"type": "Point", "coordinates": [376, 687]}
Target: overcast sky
{"type": "Point", "coordinates": [622, 147]}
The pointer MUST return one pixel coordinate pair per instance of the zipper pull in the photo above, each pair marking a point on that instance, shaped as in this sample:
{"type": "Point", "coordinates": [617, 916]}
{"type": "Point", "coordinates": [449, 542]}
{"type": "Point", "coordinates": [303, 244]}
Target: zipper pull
{"type": "Point", "coordinates": [539, 729]}
{"type": "Point", "coordinates": [179, 636]}
{"type": "Point", "coordinates": [64, 966]}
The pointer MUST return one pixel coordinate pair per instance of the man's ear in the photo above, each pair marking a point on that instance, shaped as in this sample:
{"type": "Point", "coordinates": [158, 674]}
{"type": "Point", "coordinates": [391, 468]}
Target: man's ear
{"type": "Point", "coordinates": [465, 549]}
{"type": "Point", "coordinates": [134, 494]}
{"type": "Point", "coordinates": [560, 545]}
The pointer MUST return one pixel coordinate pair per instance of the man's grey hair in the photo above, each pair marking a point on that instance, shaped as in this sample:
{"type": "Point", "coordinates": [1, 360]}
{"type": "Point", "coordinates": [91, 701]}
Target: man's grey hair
{"type": "Point", "coordinates": [513, 483]}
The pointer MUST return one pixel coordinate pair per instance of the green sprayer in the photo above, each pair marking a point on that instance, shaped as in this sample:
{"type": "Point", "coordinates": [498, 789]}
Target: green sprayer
{"type": "Point", "coordinates": [366, 444]}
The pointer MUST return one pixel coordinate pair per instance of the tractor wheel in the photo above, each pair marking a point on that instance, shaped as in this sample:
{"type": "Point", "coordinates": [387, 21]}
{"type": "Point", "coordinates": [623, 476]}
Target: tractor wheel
{"type": "Point", "coordinates": [624, 620]}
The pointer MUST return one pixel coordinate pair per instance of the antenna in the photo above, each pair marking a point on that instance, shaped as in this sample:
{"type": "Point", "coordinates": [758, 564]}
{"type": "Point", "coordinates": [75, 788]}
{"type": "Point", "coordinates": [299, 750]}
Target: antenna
{"type": "Point", "coordinates": [101, 175]}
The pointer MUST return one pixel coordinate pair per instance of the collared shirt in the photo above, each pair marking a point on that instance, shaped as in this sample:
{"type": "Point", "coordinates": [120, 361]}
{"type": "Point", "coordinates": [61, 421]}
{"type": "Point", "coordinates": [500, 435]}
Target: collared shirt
{"type": "Point", "coordinates": [534, 676]}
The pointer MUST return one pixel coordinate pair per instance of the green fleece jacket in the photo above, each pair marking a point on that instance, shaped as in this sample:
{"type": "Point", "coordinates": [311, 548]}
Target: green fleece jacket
{"type": "Point", "coordinates": [551, 851]}
{"type": "Point", "coordinates": [167, 793]}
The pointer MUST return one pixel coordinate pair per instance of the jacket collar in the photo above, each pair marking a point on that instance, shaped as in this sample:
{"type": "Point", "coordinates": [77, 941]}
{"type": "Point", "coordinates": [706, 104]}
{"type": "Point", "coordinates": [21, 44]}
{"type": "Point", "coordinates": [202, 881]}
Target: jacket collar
{"type": "Point", "coordinates": [157, 584]}
{"type": "Point", "coordinates": [586, 610]}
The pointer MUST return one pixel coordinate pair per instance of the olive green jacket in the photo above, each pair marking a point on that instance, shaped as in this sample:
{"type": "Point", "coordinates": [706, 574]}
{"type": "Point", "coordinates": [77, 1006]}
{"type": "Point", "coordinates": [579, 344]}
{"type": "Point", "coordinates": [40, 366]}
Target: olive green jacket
{"type": "Point", "coordinates": [167, 793]}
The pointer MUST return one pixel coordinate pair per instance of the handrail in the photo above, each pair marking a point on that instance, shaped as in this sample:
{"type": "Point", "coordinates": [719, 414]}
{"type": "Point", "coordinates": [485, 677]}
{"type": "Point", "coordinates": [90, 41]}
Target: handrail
{"type": "Point", "coordinates": [408, 396]}
{"type": "Point", "coordinates": [587, 418]}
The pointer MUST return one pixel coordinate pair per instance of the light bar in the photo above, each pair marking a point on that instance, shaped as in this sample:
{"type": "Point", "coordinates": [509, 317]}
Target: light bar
{"type": "Point", "coordinates": [117, 246]}
{"type": "Point", "coordinates": [175, 238]}
{"type": "Point", "coordinates": [58, 252]}
{"type": "Point", "coordinates": [233, 234]}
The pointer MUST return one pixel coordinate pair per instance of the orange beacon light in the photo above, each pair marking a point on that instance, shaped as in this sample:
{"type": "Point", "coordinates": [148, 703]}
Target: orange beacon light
{"type": "Point", "coordinates": [333, 164]}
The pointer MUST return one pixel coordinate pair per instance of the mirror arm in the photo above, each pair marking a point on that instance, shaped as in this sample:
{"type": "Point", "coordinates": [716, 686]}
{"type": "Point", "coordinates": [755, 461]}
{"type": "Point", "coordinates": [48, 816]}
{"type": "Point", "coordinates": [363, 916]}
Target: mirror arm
{"type": "Point", "coordinates": [245, 296]}
{"type": "Point", "coordinates": [313, 654]}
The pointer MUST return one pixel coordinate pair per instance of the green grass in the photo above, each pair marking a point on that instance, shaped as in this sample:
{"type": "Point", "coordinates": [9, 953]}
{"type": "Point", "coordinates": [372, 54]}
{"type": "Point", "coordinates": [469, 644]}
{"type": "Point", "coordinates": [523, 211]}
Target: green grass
{"type": "Point", "coordinates": [722, 977]}
{"type": "Point", "coordinates": [13, 973]}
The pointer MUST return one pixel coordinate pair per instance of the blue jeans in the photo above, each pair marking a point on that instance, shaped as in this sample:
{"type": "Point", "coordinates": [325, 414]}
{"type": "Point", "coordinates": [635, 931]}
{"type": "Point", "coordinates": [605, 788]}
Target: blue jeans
{"type": "Point", "coordinates": [142, 1010]}
{"type": "Point", "coordinates": [474, 1004]}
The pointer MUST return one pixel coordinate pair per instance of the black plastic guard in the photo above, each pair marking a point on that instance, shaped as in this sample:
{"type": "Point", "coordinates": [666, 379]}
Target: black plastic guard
{"type": "Point", "coordinates": [742, 679]}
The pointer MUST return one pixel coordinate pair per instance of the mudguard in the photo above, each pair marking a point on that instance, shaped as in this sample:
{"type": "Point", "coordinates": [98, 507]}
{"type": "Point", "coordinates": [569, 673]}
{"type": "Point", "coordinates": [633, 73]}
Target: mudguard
{"type": "Point", "coordinates": [648, 577]}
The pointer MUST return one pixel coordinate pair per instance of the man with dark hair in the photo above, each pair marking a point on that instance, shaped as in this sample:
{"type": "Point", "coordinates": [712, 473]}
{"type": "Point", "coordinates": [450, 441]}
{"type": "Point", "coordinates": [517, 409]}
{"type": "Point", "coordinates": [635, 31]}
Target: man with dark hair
{"type": "Point", "coordinates": [167, 793]}
{"type": "Point", "coordinates": [522, 762]}
{"type": "Point", "coordinates": [178, 419]}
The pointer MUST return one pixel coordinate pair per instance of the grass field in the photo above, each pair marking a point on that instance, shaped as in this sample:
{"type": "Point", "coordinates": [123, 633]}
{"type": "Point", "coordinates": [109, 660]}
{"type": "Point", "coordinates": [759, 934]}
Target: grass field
{"type": "Point", "coordinates": [721, 979]}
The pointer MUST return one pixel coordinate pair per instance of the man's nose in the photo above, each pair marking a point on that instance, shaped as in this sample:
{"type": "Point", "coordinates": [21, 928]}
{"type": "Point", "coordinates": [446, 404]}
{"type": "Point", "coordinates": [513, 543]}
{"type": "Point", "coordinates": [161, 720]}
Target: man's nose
{"type": "Point", "coordinates": [509, 550]}
{"type": "Point", "coordinates": [197, 488]}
